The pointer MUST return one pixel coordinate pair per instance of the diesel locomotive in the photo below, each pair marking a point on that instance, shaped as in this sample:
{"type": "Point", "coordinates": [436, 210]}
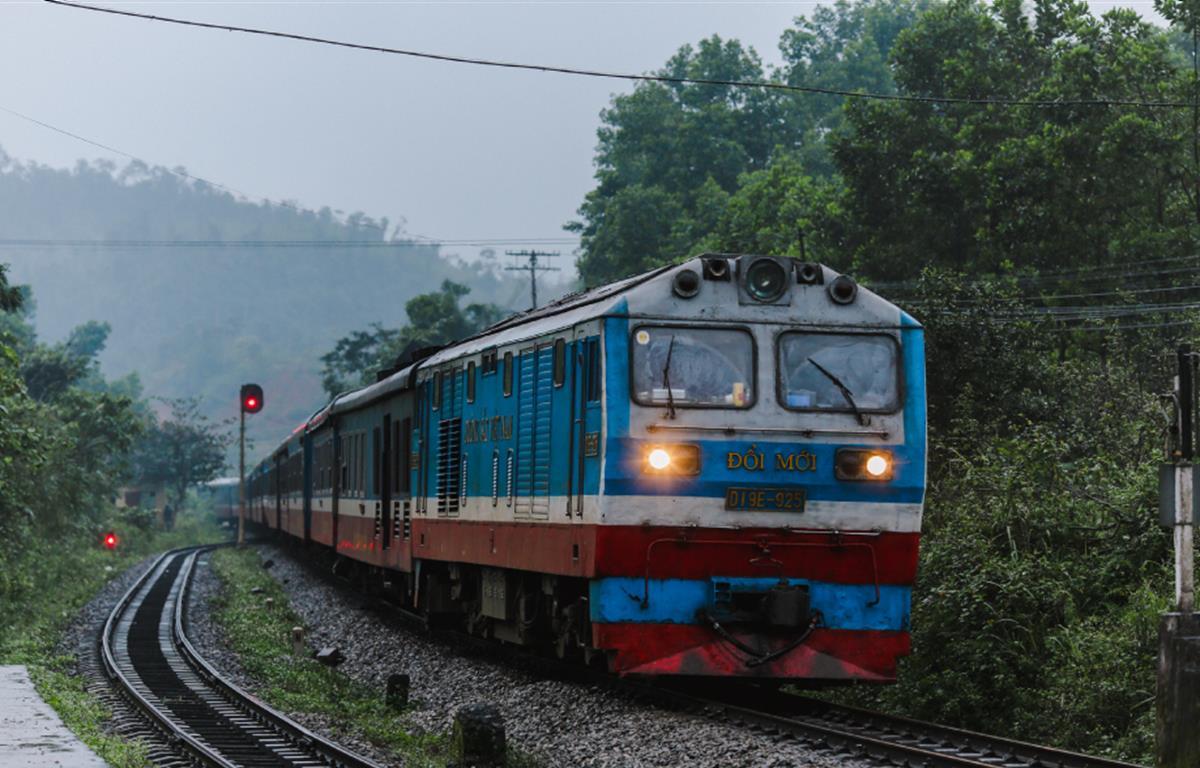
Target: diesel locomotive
{"type": "Point", "coordinates": [716, 468]}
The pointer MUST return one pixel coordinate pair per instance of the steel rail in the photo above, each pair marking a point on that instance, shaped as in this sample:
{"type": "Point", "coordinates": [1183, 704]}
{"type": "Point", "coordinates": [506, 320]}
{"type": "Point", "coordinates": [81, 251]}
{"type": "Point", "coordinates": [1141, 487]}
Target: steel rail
{"type": "Point", "coordinates": [901, 726]}
{"type": "Point", "coordinates": [887, 738]}
{"type": "Point", "coordinates": [334, 753]}
{"type": "Point", "coordinates": [210, 718]}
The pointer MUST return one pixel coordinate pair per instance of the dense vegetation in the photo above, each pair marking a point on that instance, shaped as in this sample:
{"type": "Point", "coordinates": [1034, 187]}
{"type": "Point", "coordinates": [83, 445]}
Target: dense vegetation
{"type": "Point", "coordinates": [1050, 252]}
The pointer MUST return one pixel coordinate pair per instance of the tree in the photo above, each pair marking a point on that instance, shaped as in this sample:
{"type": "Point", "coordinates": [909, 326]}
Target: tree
{"type": "Point", "coordinates": [973, 187]}
{"type": "Point", "coordinates": [182, 449]}
{"type": "Point", "coordinates": [434, 319]}
{"type": "Point", "coordinates": [661, 145]}
{"type": "Point", "coordinates": [10, 295]}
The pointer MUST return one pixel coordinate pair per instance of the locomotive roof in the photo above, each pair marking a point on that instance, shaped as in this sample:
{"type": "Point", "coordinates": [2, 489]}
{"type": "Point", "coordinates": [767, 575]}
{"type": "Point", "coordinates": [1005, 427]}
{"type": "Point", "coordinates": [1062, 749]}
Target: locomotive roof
{"type": "Point", "coordinates": [568, 310]}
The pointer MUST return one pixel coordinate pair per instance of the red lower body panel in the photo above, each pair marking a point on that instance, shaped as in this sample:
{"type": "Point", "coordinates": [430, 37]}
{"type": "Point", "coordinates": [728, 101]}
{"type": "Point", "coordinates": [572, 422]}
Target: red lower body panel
{"type": "Point", "coordinates": [688, 649]}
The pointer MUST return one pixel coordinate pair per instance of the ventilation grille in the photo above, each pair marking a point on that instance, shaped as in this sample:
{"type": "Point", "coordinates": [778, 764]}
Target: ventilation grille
{"type": "Point", "coordinates": [448, 467]}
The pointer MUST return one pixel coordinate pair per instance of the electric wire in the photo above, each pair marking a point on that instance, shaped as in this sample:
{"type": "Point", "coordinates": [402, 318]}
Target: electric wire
{"type": "Point", "coordinates": [403, 241]}
{"type": "Point", "coordinates": [660, 78]}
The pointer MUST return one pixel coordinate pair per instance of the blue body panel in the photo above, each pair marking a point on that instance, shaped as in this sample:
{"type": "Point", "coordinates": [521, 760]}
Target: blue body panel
{"type": "Point", "coordinates": [676, 601]}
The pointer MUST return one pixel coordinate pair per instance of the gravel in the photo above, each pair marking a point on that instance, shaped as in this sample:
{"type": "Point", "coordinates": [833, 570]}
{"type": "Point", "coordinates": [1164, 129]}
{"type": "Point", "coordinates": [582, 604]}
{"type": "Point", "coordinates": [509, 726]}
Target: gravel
{"type": "Point", "coordinates": [557, 723]}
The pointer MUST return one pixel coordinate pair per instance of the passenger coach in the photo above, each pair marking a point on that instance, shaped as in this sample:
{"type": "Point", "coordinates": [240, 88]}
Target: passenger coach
{"type": "Point", "coordinates": [714, 468]}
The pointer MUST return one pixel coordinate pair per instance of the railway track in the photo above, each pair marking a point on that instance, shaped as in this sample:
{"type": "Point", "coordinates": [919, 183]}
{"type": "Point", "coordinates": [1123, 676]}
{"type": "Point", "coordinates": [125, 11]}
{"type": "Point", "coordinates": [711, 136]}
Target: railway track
{"type": "Point", "coordinates": [146, 652]}
{"type": "Point", "coordinates": [880, 737]}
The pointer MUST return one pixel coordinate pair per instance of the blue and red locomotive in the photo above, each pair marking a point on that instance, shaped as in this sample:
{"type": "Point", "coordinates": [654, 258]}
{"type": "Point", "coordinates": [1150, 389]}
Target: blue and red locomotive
{"type": "Point", "coordinates": [714, 468]}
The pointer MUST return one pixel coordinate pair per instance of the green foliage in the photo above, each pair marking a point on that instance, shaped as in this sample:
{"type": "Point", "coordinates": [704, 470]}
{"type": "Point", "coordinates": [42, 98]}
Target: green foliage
{"type": "Point", "coordinates": [433, 319]}
{"type": "Point", "coordinates": [671, 155]}
{"type": "Point", "coordinates": [261, 636]}
{"type": "Point", "coordinates": [181, 449]}
{"type": "Point", "coordinates": [971, 187]}
{"type": "Point", "coordinates": [43, 584]}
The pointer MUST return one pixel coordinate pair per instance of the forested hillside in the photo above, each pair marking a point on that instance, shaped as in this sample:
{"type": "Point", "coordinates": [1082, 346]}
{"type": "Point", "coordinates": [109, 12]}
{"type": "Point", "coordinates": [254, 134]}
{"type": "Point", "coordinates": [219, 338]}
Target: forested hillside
{"type": "Point", "coordinates": [196, 319]}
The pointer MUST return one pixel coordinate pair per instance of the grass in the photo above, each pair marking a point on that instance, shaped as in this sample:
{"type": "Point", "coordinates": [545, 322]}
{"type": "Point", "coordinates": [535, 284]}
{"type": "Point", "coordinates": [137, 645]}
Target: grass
{"type": "Point", "coordinates": [56, 580]}
{"type": "Point", "coordinates": [261, 636]}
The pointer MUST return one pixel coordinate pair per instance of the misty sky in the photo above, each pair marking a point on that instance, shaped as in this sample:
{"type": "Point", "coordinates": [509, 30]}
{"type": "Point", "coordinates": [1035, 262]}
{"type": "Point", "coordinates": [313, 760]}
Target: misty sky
{"type": "Point", "coordinates": [456, 151]}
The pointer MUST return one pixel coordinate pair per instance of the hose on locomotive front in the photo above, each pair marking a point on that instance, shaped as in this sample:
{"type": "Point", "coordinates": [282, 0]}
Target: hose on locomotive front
{"type": "Point", "coordinates": [758, 658]}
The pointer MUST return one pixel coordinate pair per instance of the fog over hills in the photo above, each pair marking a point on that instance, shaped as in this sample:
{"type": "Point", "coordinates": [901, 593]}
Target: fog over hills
{"type": "Point", "coordinates": [194, 318]}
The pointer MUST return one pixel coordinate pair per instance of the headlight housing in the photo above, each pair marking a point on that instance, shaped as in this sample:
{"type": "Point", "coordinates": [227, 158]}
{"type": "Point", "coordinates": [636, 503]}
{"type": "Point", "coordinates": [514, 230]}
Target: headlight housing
{"type": "Point", "coordinates": [671, 459]}
{"type": "Point", "coordinates": [860, 464]}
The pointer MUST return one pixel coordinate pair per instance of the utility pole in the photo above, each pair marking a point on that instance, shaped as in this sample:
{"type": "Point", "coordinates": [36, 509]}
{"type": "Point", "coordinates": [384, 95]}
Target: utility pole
{"type": "Point", "coordinates": [532, 267]}
{"type": "Point", "coordinates": [250, 401]}
{"type": "Point", "coordinates": [1178, 737]}
{"type": "Point", "coordinates": [241, 539]}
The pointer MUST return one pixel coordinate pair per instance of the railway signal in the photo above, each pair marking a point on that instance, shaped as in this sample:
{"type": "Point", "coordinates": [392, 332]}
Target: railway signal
{"type": "Point", "coordinates": [110, 540]}
{"type": "Point", "coordinates": [252, 398]}
{"type": "Point", "coordinates": [250, 401]}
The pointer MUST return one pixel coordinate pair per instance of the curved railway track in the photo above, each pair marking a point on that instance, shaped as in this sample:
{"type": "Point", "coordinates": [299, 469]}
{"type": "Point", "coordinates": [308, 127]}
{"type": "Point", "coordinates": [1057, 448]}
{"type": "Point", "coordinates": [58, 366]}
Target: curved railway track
{"type": "Point", "coordinates": [884, 738]}
{"type": "Point", "coordinates": [146, 652]}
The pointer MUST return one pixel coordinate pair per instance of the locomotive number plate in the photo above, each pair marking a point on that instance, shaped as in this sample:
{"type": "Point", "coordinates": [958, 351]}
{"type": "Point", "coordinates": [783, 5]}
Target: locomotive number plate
{"type": "Point", "coordinates": [765, 499]}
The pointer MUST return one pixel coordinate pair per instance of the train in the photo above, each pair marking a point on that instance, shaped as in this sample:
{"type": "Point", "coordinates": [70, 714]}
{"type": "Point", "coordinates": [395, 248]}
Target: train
{"type": "Point", "coordinates": [713, 469]}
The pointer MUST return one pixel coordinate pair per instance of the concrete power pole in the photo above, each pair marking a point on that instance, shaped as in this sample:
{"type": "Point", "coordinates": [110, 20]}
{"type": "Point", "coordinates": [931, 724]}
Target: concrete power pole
{"type": "Point", "coordinates": [1178, 704]}
{"type": "Point", "coordinates": [532, 267]}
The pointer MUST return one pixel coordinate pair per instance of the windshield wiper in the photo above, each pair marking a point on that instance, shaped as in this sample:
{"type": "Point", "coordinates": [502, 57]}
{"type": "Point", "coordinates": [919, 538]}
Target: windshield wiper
{"type": "Point", "coordinates": [846, 393]}
{"type": "Point", "coordinates": [667, 380]}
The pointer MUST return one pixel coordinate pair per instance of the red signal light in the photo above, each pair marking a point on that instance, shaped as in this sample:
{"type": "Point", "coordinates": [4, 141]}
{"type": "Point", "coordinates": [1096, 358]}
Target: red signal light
{"type": "Point", "coordinates": [252, 398]}
{"type": "Point", "coordinates": [110, 540]}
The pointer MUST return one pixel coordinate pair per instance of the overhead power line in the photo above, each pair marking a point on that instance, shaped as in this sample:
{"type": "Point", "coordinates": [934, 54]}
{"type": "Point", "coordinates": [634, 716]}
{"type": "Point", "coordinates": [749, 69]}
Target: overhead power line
{"type": "Point", "coordinates": [759, 84]}
{"type": "Point", "coordinates": [417, 241]}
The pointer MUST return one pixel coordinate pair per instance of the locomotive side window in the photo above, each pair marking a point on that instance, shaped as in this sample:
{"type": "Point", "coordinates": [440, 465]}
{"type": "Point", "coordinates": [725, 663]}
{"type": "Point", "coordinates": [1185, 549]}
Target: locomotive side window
{"type": "Point", "coordinates": [839, 372]}
{"type": "Point", "coordinates": [471, 382]}
{"type": "Point", "coordinates": [593, 370]}
{"type": "Point", "coordinates": [692, 367]}
{"type": "Point", "coordinates": [508, 373]}
{"type": "Point", "coordinates": [560, 362]}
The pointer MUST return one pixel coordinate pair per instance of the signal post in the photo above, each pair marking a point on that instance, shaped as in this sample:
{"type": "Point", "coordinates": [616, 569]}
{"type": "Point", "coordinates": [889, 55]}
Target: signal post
{"type": "Point", "coordinates": [1178, 699]}
{"type": "Point", "coordinates": [250, 401]}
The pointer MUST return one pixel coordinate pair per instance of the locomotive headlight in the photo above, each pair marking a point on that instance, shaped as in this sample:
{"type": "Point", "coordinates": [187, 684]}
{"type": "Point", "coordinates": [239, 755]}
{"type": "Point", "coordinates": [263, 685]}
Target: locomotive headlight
{"type": "Point", "coordinates": [672, 459]}
{"type": "Point", "coordinates": [878, 465]}
{"type": "Point", "coordinates": [658, 459]}
{"type": "Point", "coordinates": [857, 464]}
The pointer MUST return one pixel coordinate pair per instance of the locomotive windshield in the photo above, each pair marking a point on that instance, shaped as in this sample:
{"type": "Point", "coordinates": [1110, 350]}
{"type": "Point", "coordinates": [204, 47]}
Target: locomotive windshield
{"type": "Point", "coordinates": [838, 372]}
{"type": "Point", "coordinates": [698, 367]}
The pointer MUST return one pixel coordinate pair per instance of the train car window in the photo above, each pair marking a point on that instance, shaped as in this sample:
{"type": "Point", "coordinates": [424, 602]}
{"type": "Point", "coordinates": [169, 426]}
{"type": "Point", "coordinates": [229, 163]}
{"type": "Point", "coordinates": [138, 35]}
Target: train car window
{"type": "Point", "coordinates": [344, 465]}
{"type": "Point", "coordinates": [489, 362]}
{"type": "Point", "coordinates": [404, 456]}
{"type": "Point", "coordinates": [361, 485]}
{"type": "Point", "coordinates": [376, 461]}
{"type": "Point", "coordinates": [508, 373]}
{"type": "Point", "coordinates": [471, 382]}
{"type": "Point", "coordinates": [436, 400]}
{"type": "Point", "coordinates": [592, 360]}
{"type": "Point", "coordinates": [817, 369]}
{"type": "Point", "coordinates": [560, 362]}
{"type": "Point", "coordinates": [692, 367]}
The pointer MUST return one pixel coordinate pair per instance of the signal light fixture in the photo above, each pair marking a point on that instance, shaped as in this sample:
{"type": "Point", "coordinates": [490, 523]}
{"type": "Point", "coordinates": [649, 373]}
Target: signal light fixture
{"type": "Point", "coordinates": [110, 540]}
{"type": "Point", "coordinates": [252, 398]}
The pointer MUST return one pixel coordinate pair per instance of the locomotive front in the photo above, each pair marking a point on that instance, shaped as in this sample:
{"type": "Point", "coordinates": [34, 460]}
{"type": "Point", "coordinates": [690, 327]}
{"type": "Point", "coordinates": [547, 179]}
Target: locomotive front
{"type": "Point", "coordinates": [764, 474]}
